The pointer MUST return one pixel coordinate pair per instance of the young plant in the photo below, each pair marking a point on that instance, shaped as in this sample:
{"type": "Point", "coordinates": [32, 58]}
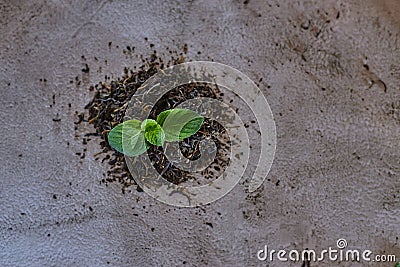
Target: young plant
{"type": "Point", "coordinates": [133, 137]}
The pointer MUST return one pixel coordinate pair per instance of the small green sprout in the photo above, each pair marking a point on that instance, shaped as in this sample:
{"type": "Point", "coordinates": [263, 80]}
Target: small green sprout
{"type": "Point", "coordinates": [133, 137]}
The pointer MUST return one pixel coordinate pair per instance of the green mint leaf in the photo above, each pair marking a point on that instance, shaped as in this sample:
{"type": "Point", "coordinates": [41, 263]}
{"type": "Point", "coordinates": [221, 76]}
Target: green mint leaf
{"type": "Point", "coordinates": [153, 132]}
{"type": "Point", "coordinates": [397, 264]}
{"type": "Point", "coordinates": [162, 116]}
{"type": "Point", "coordinates": [191, 127]}
{"type": "Point", "coordinates": [179, 123]}
{"type": "Point", "coordinates": [128, 138]}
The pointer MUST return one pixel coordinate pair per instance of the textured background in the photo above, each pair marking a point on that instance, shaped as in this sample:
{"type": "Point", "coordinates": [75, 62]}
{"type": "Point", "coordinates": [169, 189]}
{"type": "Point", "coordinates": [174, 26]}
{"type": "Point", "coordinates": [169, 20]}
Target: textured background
{"type": "Point", "coordinates": [331, 72]}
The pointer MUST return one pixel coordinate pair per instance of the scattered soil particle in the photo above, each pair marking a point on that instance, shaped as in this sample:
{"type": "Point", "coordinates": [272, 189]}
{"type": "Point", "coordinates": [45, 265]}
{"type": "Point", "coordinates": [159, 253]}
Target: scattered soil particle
{"type": "Point", "coordinates": [86, 69]}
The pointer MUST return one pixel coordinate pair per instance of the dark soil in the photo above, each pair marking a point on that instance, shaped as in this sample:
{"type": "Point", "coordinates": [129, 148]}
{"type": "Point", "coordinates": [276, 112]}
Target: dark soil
{"type": "Point", "coordinates": [107, 109]}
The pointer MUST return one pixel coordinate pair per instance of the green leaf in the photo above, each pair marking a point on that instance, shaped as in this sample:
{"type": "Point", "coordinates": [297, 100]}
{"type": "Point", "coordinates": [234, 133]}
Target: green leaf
{"type": "Point", "coordinates": [162, 116]}
{"type": "Point", "coordinates": [128, 138]}
{"type": "Point", "coordinates": [397, 264]}
{"type": "Point", "coordinates": [179, 123]}
{"type": "Point", "coordinates": [153, 132]}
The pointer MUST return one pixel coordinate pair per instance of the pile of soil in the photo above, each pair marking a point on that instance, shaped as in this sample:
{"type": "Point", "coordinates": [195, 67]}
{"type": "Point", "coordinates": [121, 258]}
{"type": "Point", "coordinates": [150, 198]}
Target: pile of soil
{"type": "Point", "coordinates": [107, 109]}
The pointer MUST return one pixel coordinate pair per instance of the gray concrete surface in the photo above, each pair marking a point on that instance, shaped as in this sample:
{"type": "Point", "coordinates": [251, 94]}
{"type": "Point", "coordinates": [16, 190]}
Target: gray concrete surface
{"type": "Point", "coordinates": [331, 72]}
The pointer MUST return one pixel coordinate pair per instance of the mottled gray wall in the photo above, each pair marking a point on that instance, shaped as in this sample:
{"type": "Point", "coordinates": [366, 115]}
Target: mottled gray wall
{"type": "Point", "coordinates": [331, 72]}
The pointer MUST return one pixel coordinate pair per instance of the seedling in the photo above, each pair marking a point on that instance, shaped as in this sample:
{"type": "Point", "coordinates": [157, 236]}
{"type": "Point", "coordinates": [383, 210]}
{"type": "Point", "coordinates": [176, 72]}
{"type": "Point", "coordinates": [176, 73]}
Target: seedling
{"type": "Point", "coordinates": [133, 137]}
